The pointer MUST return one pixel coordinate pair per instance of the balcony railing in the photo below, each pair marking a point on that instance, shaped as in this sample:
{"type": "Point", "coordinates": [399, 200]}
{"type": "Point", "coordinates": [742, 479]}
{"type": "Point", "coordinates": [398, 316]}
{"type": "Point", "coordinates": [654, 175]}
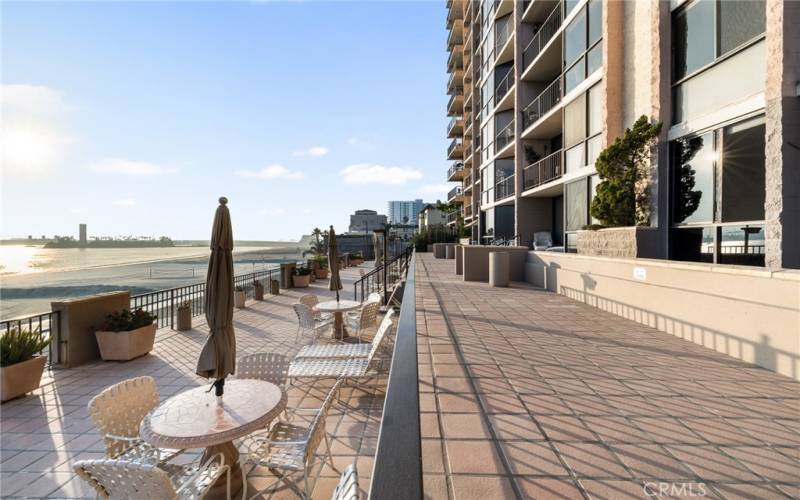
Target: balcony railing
{"type": "Point", "coordinates": [456, 191]}
{"type": "Point", "coordinates": [502, 34]}
{"type": "Point", "coordinates": [468, 211]}
{"type": "Point", "coordinates": [501, 89]}
{"type": "Point", "coordinates": [467, 181]}
{"type": "Point", "coordinates": [543, 171]}
{"type": "Point", "coordinates": [454, 38]}
{"type": "Point", "coordinates": [48, 326]}
{"type": "Point", "coordinates": [455, 167]}
{"type": "Point", "coordinates": [504, 188]}
{"type": "Point", "coordinates": [451, 103]}
{"type": "Point", "coordinates": [504, 137]}
{"type": "Point", "coordinates": [455, 122]}
{"type": "Point", "coordinates": [546, 32]}
{"type": "Point", "coordinates": [543, 103]}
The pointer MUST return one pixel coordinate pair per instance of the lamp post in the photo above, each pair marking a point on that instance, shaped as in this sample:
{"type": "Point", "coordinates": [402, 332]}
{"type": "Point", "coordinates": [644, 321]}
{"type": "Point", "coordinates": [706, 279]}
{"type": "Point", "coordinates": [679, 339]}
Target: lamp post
{"type": "Point", "coordinates": [384, 233]}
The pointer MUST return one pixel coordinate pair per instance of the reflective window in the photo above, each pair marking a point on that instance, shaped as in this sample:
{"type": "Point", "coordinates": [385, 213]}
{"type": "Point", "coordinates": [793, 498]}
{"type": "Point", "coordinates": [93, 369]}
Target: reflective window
{"type": "Point", "coordinates": [742, 185]}
{"type": "Point", "coordinates": [583, 33]}
{"type": "Point", "coordinates": [576, 196]}
{"type": "Point", "coordinates": [693, 191]}
{"type": "Point", "coordinates": [741, 245]}
{"type": "Point", "coordinates": [575, 121]}
{"type": "Point", "coordinates": [574, 76]}
{"type": "Point", "coordinates": [694, 244]}
{"type": "Point", "coordinates": [594, 59]}
{"type": "Point", "coordinates": [575, 38]}
{"type": "Point", "coordinates": [740, 22]}
{"type": "Point", "coordinates": [594, 181]}
{"type": "Point", "coordinates": [595, 21]}
{"type": "Point", "coordinates": [593, 148]}
{"type": "Point", "coordinates": [693, 38]}
{"type": "Point", "coordinates": [574, 159]}
{"type": "Point", "coordinates": [595, 110]}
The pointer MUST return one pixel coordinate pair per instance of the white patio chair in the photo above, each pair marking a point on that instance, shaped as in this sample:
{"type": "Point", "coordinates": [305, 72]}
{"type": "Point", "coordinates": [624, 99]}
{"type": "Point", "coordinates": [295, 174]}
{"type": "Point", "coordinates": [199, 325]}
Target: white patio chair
{"type": "Point", "coordinates": [347, 489]}
{"type": "Point", "coordinates": [290, 447]}
{"type": "Point", "coordinates": [311, 301]}
{"type": "Point", "coordinates": [368, 317]}
{"type": "Point", "coordinates": [323, 351]}
{"type": "Point", "coordinates": [307, 324]}
{"type": "Point", "coordinates": [267, 366]}
{"type": "Point", "coordinates": [542, 240]}
{"type": "Point", "coordinates": [117, 413]}
{"type": "Point", "coordinates": [120, 479]}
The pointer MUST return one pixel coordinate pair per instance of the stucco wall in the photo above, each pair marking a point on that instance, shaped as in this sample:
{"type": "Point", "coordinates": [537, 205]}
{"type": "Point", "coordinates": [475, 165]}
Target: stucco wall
{"type": "Point", "coordinates": [750, 314]}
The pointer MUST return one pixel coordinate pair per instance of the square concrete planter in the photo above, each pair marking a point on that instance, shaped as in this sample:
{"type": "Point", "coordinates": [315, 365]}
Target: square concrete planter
{"type": "Point", "coordinates": [184, 319]}
{"type": "Point", "coordinates": [21, 378]}
{"type": "Point", "coordinates": [124, 346]}
{"type": "Point", "coordinates": [621, 242]}
{"type": "Point", "coordinates": [301, 281]}
{"type": "Point", "coordinates": [239, 299]}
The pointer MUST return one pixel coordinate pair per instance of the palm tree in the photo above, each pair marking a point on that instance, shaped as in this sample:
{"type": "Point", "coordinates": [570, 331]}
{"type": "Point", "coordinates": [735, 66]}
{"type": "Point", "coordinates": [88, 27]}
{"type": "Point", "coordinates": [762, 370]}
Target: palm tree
{"type": "Point", "coordinates": [320, 244]}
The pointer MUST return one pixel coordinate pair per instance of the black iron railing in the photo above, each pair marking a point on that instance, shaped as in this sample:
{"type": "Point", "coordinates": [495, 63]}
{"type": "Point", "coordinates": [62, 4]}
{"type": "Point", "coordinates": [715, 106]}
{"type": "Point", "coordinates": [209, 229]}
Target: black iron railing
{"type": "Point", "coordinates": [397, 471]}
{"type": "Point", "coordinates": [543, 103]}
{"type": "Point", "coordinates": [504, 188]}
{"type": "Point", "coordinates": [47, 324]}
{"type": "Point", "coordinates": [543, 171]}
{"type": "Point", "coordinates": [456, 191]}
{"type": "Point", "coordinates": [389, 274]}
{"type": "Point", "coordinates": [542, 37]}
{"type": "Point", "coordinates": [501, 89]}
{"type": "Point", "coordinates": [455, 167]}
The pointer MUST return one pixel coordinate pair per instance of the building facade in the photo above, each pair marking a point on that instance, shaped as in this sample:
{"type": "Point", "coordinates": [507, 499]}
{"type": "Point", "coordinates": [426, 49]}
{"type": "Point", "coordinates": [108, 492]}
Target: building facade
{"type": "Point", "coordinates": [404, 212]}
{"type": "Point", "coordinates": [430, 216]}
{"type": "Point", "coordinates": [539, 88]}
{"type": "Point", "coordinates": [366, 221]}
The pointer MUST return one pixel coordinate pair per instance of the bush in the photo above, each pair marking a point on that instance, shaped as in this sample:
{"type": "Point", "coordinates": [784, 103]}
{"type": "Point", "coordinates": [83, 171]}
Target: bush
{"type": "Point", "coordinates": [302, 271]}
{"type": "Point", "coordinates": [622, 197]}
{"type": "Point", "coordinates": [126, 321]}
{"type": "Point", "coordinates": [322, 261]}
{"type": "Point", "coordinates": [19, 345]}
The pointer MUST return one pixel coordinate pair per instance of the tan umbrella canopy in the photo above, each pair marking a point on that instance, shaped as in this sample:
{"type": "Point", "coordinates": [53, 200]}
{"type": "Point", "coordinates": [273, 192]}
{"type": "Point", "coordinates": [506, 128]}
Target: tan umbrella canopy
{"type": "Point", "coordinates": [218, 357]}
{"type": "Point", "coordinates": [335, 282]}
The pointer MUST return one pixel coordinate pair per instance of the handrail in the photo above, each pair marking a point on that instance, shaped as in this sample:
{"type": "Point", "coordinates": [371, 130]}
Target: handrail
{"type": "Point", "coordinates": [542, 37]}
{"type": "Point", "coordinates": [542, 171]}
{"type": "Point", "coordinates": [504, 188]}
{"type": "Point", "coordinates": [376, 279]}
{"type": "Point", "coordinates": [502, 88]}
{"type": "Point", "coordinates": [397, 470]}
{"type": "Point", "coordinates": [543, 103]}
{"type": "Point", "coordinates": [456, 191]}
{"type": "Point", "coordinates": [505, 136]}
{"type": "Point", "coordinates": [49, 326]}
{"type": "Point", "coordinates": [454, 145]}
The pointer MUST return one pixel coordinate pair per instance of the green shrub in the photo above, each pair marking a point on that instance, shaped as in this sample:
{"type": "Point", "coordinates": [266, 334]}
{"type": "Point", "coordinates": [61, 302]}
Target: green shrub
{"type": "Point", "coordinates": [302, 271]}
{"type": "Point", "coordinates": [322, 261]}
{"type": "Point", "coordinates": [125, 320]}
{"type": "Point", "coordinates": [18, 345]}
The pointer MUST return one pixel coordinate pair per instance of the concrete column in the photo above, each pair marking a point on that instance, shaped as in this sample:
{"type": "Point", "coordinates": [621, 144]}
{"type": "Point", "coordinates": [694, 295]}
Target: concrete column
{"type": "Point", "coordinates": [459, 259]}
{"type": "Point", "coordinates": [782, 204]}
{"type": "Point", "coordinates": [613, 69]}
{"type": "Point", "coordinates": [450, 251]}
{"type": "Point", "coordinates": [498, 269]}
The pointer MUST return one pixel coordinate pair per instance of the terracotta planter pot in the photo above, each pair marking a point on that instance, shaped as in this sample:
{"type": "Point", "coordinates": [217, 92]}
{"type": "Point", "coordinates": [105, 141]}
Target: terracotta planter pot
{"type": "Point", "coordinates": [184, 319]}
{"type": "Point", "coordinates": [239, 299]}
{"type": "Point", "coordinates": [259, 292]}
{"type": "Point", "coordinates": [321, 272]}
{"type": "Point", "coordinates": [124, 346]}
{"type": "Point", "coordinates": [21, 378]}
{"type": "Point", "coordinates": [356, 262]}
{"type": "Point", "coordinates": [301, 281]}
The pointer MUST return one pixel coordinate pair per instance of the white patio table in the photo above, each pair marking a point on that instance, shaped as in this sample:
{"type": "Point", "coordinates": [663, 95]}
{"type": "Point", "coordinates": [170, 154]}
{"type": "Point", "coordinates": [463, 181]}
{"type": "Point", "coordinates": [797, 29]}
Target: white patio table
{"type": "Point", "coordinates": [338, 309]}
{"type": "Point", "coordinates": [193, 419]}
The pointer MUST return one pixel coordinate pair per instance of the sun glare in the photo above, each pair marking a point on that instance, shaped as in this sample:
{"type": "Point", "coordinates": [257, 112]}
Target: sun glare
{"type": "Point", "coordinates": [27, 149]}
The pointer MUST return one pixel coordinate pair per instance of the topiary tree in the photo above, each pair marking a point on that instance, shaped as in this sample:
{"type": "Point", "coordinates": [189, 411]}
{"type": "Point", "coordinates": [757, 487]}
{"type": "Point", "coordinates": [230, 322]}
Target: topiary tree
{"type": "Point", "coordinates": [622, 197]}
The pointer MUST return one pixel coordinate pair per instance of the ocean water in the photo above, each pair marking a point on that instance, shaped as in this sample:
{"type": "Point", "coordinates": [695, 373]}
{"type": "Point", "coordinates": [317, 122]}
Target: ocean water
{"type": "Point", "coordinates": [32, 276]}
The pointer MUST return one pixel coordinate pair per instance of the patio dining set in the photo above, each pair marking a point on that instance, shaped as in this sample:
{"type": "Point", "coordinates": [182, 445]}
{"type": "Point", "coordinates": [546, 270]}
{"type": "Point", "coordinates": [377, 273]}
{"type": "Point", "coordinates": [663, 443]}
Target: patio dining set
{"type": "Point", "coordinates": [250, 426]}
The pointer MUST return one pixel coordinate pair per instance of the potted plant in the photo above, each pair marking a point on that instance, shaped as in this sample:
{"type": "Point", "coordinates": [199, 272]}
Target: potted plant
{"type": "Point", "coordinates": [239, 297]}
{"type": "Point", "coordinates": [322, 267]}
{"type": "Point", "coordinates": [357, 258]}
{"type": "Point", "coordinates": [258, 290]}
{"type": "Point", "coordinates": [302, 277]}
{"type": "Point", "coordinates": [185, 316]}
{"type": "Point", "coordinates": [126, 335]}
{"type": "Point", "coordinates": [21, 366]}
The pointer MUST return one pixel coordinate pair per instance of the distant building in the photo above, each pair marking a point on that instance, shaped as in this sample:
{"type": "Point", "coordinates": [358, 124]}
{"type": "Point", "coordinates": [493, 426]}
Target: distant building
{"type": "Point", "coordinates": [404, 212]}
{"type": "Point", "coordinates": [403, 232]}
{"type": "Point", "coordinates": [430, 216]}
{"type": "Point", "coordinates": [82, 234]}
{"type": "Point", "coordinates": [366, 221]}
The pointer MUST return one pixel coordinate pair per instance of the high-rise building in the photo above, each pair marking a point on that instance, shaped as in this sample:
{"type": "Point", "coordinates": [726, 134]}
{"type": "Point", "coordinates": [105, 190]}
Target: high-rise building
{"type": "Point", "coordinates": [82, 233]}
{"type": "Point", "coordinates": [539, 88]}
{"type": "Point", "coordinates": [404, 212]}
{"type": "Point", "coordinates": [364, 221]}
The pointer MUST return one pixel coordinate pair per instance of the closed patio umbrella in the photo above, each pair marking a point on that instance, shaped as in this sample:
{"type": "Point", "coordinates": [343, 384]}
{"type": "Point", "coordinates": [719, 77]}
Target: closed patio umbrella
{"type": "Point", "coordinates": [333, 263]}
{"type": "Point", "coordinates": [218, 357]}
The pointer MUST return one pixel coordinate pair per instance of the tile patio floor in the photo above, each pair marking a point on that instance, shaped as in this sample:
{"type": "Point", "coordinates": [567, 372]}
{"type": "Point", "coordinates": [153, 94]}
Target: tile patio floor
{"type": "Point", "coordinates": [42, 434]}
{"type": "Point", "coordinates": [529, 394]}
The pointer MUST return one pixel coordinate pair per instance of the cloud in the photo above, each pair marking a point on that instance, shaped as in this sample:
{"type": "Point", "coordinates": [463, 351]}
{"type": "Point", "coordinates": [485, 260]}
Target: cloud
{"type": "Point", "coordinates": [366, 173]}
{"type": "Point", "coordinates": [124, 202]}
{"type": "Point", "coordinates": [272, 172]}
{"type": "Point", "coordinates": [129, 167]}
{"type": "Point", "coordinates": [312, 151]}
{"type": "Point", "coordinates": [434, 189]}
{"type": "Point", "coordinates": [352, 141]}
{"type": "Point", "coordinates": [306, 210]}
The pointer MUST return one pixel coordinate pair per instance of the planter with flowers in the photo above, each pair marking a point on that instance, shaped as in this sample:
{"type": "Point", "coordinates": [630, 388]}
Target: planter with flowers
{"type": "Point", "coordinates": [239, 297]}
{"type": "Point", "coordinates": [126, 335]}
{"type": "Point", "coordinates": [21, 366]}
{"type": "Point", "coordinates": [185, 316]}
{"type": "Point", "coordinates": [302, 277]}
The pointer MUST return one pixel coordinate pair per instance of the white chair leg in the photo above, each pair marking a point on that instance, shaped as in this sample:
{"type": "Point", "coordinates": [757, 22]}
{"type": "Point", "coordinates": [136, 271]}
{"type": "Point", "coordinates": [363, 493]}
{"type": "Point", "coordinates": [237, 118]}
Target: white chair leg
{"type": "Point", "coordinates": [305, 481]}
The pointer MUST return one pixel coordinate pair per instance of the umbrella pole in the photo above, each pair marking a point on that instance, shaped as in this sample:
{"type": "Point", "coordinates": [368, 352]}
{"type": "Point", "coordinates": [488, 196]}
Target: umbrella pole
{"type": "Point", "coordinates": [219, 389]}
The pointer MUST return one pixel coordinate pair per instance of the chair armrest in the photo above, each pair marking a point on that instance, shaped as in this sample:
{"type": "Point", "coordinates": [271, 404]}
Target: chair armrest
{"type": "Point", "coordinates": [217, 460]}
{"type": "Point", "coordinates": [128, 439]}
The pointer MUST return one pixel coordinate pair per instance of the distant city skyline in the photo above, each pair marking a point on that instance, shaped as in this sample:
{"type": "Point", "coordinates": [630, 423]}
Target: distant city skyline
{"type": "Point", "coordinates": [135, 117]}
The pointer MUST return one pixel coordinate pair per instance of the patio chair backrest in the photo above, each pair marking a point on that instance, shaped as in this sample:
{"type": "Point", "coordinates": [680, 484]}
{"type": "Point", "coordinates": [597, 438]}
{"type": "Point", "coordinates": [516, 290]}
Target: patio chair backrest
{"type": "Point", "coordinates": [382, 335]}
{"type": "Point", "coordinates": [317, 430]}
{"type": "Point", "coordinates": [374, 297]}
{"type": "Point", "coordinates": [309, 300]}
{"type": "Point", "coordinates": [347, 489]}
{"type": "Point", "coordinates": [304, 316]}
{"type": "Point", "coordinates": [369, 314]}
{"type": "Point", "coordinates": [268, 366]}
{"type": "Point", "coordinates": [542, 239]}
{"type": "Point", "coordinates": [119, 409]}
{"type": "Point", "coordinates": [122, 479]}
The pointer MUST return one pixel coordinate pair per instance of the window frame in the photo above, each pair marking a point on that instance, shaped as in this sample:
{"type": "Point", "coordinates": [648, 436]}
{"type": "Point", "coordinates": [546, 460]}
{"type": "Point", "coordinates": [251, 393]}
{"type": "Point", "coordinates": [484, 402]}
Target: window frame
{"type": "Point", "coordinates": [585, 141]}
{"type": "Point", "coordinates": [583, 57]}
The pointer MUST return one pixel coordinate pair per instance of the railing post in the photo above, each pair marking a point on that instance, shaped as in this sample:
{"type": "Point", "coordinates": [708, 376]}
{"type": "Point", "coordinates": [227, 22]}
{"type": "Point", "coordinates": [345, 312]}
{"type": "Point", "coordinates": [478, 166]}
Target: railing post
{"type": "Point", "coordinates": [172, 308]}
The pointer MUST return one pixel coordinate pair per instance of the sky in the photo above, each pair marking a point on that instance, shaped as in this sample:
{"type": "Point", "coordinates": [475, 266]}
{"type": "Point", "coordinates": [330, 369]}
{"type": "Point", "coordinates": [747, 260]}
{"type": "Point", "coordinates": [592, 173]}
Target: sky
{"type": "Point", "coordinates": [136, 117]}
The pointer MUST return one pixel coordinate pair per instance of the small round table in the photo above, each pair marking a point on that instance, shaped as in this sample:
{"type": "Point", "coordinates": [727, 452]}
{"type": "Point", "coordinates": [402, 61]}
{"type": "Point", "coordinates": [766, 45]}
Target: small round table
{"type": "Point", "coordinates": [338, 309]}
{"type": "Point", "coordinates": [193, 419]}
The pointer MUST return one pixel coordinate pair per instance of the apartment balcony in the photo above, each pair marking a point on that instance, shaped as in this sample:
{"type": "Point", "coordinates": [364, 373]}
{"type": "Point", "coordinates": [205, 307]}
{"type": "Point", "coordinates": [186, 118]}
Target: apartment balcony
{"type": "Point", "coordinates": [504, 92]}
{"type": "Point", "coordinates": [543, 171]}
{"type": "Point", "coordinates": [503, 7]}
{"type": "Point", "coordinates": [454, 82]}
{"type": "Point", "coordinates": [467, 212]}
{"type": "Point", "coordinates": [455, 37]}
{"type": "Point", "coordinates": [542, 40]}
{"type": "Point", "coordinates": [455, 61]}
{"type": "Point", "coordinates": [504, 188]}
{"type": "Point", "coordinates": [456, 195]}
{"type": "Point", "coordinates": [467, 182]}
{"type": "Point", "coordinates": [455, 106]}
{"type": "Point", "coordinates": [540, 107]}
{"type": "Point", "coordinates": [455, 13]}
{"type": "Point", "coordinates": [504, 44]}
{"type": "Point", "coordinates": [504, 138]}
{"type": "Point", "coordinates": [456, 127]}
{"type": "Point", "coordinates": [456, 172]}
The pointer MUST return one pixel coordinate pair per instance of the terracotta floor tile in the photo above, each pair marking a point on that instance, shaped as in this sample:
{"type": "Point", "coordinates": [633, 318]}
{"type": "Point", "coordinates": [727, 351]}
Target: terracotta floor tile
{"type": "Point", "coordinates": [481, 487]}
{"type": "Point", "coordinates": [651, 461]}
{"type": "Point", "coordinates": [557, 489]}
{"type": "Point", "coordinates": [593, 460]}
{"type": "Point", "coordinates": [532, 458]}
{"type": "Point", "coordinates": [614, 490]}
{"type": "Point", "coordinates": [464, 426]}
{"type": "Point", "coordinates": [473, 457]}
{"type": "Point", "coordinates": [768, 463]}
{"type": "Point", "coordinates": [458, 403]}
{"type": "Point", "coordinates": [565, 428]}
{"type": "Point", "coordinates": [710, 464]}
{"type": "Point", "coordinates": [515, 427]}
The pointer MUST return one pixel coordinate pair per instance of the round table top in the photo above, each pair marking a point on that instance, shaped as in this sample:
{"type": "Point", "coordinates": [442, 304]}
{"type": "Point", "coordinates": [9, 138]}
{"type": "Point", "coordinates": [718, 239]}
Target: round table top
{"type": "Point", "coordinates": [193, 419]}
{"type": "Point", "coordinates": [342, 305]}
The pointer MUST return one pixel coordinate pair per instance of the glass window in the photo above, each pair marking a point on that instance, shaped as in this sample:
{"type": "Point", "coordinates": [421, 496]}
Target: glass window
{"type": "Point", "coordinates": [594, 181]}
{"type": "Point", "coordinates": [694, 244]}
{"type": "Point", "coordinates": [574, 76]}
{"type": "Point", "coordinates": [742, 245]}
{"type": "Point", "coordinates": [693, 38]}
{"type": "Point", "coordinates": [574, 159]}
{"type": "Point", "coordinates": [595, 21]}
{"type": "Point", "coordinates": [575, 38]}
{"type": "Point", "coordinates": [576, 195]}
{"type": "Point", "coordinates": [595, 110]}
{"type": "Point", "coordinates": [593, 148]}
{"type": "Point", "coordinates": [742, 187]}
{"type": "Point", "coordinates": [693, 188]}
{"type": "Point", "coordinates": [575, 121]}
{"type": "Point", "coordinates": [569, 5]}
{"type": "Point", "coordinates": [739, 22]}
{"type": "Point", "coordinates": [594, 59]}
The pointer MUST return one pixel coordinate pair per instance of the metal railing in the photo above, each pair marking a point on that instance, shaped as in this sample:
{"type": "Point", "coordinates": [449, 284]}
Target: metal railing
{"type": "Point", "coordinates": [546, 32]}
{"type": "Point", "coordinates": [501, 89]}
{"type": "Point", "coordinates": [455, 168]}
{"type": "Point", "coordinates": [504, 188]}
{"type": "Point", "coordinates": [49, 326]}
{"type": "Point", "coordinates": [397, 470]}
{"type": "Point", "coordinates": [504, 137]}
{"type": "Point", "coordinates": [459, 91]}
{"type": "Point", "coordinates": [502, 34]}
{"type": "Point", "coordinates": [389, 273]}
{"type": "Point", "coordinates": [454, 38]}
{"type": "Point", "coordinates": [543, 171]}
{"type": "Point", "coordinates": [454, 122]}
{"type": "Point", "coordinates": [456, 191]}
{"type": "Point", "coordinates": [467, 182]}
{"type": "Point", "coordinates": [543, 103]}
{"type": "Point", "coordinates": [457, 143]}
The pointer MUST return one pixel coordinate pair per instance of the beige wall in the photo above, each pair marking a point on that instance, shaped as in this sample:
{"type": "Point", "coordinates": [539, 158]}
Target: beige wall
{"type": "Point", "coordinates": [750, 314]}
